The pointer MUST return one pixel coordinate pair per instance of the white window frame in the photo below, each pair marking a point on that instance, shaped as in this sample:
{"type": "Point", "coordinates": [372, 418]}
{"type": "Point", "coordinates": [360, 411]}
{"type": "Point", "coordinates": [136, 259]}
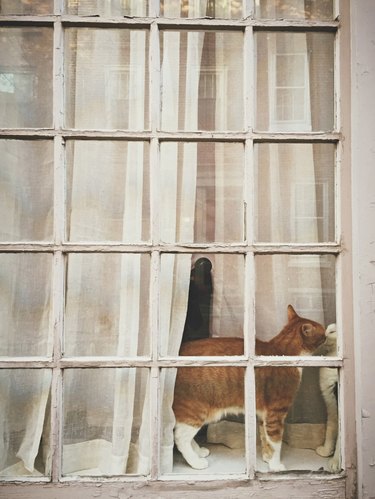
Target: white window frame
{"type": "Point", "coordinates": [268, 485]}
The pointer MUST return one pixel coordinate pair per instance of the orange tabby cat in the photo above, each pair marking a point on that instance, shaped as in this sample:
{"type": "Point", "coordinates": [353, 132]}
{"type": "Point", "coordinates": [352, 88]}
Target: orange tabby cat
{"type": "Point", "coordinates": [207, 394]}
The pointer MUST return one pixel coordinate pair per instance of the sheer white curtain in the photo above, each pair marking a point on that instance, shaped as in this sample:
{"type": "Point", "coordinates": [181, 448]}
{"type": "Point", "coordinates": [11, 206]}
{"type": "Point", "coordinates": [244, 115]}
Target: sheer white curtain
{"type": "Point", "coordinates": [100, 455]}
{"type": "Point", "coordinates": [26, 195]}
{"type": "Point", "coordinates": [175, 269]}
{"type": "Point", "coordinates": [124, 452]}
{"type": "Point", "coordinates": [228, 271]}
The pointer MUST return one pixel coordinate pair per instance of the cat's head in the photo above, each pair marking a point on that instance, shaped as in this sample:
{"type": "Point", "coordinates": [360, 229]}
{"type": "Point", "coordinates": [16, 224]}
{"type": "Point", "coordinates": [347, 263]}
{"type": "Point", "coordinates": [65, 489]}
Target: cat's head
{"type": "Point", "coordinates": [331, 339]}
{"type": "Point", "coordinates": [310, 334]}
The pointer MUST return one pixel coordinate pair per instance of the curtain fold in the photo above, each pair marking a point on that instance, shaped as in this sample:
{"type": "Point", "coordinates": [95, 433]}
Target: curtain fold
{"type": "Point", "coordinates": [175, 269]}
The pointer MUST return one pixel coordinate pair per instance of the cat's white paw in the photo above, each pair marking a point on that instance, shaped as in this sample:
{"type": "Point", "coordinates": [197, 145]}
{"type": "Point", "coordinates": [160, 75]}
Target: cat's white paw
{"type": "Point", "coordinates": [200, 451]}
{"type": "Point", "coordinates": [276, 467]}
{"type": "Point", "coordinates": [334, 465]}
{"type": "Point", "coordinates": [324, 451]}
{"type": "Point", "coordinates": [203, 452]}
{"type": "Point", "coordinates": [199, 464]}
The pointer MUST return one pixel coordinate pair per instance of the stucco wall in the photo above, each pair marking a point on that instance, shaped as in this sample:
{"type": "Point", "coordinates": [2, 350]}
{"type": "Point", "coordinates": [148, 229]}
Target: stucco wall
{"type": "Point", "coordinates": [363, 163]}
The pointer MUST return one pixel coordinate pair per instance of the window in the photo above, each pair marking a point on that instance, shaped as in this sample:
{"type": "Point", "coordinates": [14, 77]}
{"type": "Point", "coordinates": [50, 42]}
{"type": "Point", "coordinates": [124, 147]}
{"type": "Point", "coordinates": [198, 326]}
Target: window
{"type": "Point", "coordinates": [169, 170]}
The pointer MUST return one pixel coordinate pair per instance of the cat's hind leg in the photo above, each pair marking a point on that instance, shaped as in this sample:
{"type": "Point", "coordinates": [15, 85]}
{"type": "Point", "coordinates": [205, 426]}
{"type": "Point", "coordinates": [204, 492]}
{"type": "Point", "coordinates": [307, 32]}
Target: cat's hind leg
{"type": "Point", "coordinates": [267, 450]}
{"type": "Point", "coordinates": [273, 433]}
{"type": "Point", "coordinates": [184, 437]}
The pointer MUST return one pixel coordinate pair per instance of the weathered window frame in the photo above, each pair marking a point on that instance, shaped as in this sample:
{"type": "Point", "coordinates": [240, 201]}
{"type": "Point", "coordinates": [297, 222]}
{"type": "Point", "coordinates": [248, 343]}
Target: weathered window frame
{"type": "Point", "coordinates": [279, 486]}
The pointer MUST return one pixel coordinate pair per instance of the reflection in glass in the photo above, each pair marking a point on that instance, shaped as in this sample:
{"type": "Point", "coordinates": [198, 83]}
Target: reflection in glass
{"type": "Point", "coordinates": [202, 80]}
{"type": "Point", "coordinates": [25, 428]}
{"type": "Point", "coordinates": [295, 81]}
{"type": "Point", "coordinates": [206, 395]}
{"type": "Point", "coordinates": [25, 299]}
{"type": "Point", "coordinates": [108, 191]}
{"type": "Point", "coordinates": [106, 75]}
{"type": "Point", "coordinates": [195, 305]}
{"type": "Point", "coordinates": [26, 190]}
{"type": "Point", "coordinates": [27, 7]}
{"type": "Point", "coordinates": [307, 282]}
{"type": "Point", "coordinates": [309, 432]}
{"type": "Point", "coordinates": [106, 422]}
{"type": "Point", "coordinates": [206, 180]}
{"type": "Point", "coordinates": [294, 9]}
{"type": "Point", "coordinates": [26, 77]}
{"type": "Point", "coordinates": [295, 192]}
{"type": "Point", "coordinates": [112, 8]}
{"type": "Point", "coordinates": [225, 9]}
{"type": "Point", "coordinates": [107, 305]}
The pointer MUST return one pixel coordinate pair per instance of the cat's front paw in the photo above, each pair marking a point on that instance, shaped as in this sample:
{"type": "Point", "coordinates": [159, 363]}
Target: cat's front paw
{"type": "Point", "coordinates": [276, 467]}
{"type": "Point", "coordinates": [334, 465]}
{"type": "Point", "coordinates": [324, 450]}
{"type": "Point", "coordinates": [203, 452]}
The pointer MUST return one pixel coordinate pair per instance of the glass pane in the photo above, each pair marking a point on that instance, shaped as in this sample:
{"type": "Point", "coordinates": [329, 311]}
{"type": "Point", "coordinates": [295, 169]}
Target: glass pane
{"type": "Point", "coordinates": [294, 417]}
{"type": "Point", "coordinates": [107, 305]}
{"type": "Point", "coordinates": [107, 8]}
{"type": "Point", "coordinates": [307, 283]}
{"type": "Point", "coordinates": [212, 396]}
{"type": "Point", "coordinates": [295, 192]}
{"type": "Point", "coordinates": [202, 296]}
{"type": "Point", "coordinates": [25, 300]}
{"type": "Point", "coordinates": [202, 80]}
{"type": "Point", "coordinates": [225, 9]}
{"type": "Point", "coordinates": [25, 429]}
{"type": "Point", "coordinates": [202, 192]}
{"type": "Point", "coordinates": [26, 77]}
{"type": "Point", "coordinates": [108, 195]}
{"type": "Point", "coordinates": [26, 190]}
{"type": "Point", "coordinates": [106, 429]}
{"type": "Point", "coordinates": [294, 9]}
{"type": "Point", "coordinates": [295, 81]}
{"type": "Point", "coordinates": [27, 7]}
{"type": "Point", "coordinates": [106, 78]}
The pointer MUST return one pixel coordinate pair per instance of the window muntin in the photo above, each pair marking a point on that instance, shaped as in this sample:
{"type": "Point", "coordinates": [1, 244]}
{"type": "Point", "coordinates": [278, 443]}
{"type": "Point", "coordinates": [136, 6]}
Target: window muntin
{"type": "Point", "coordinates": [240, 134]}
{"type": "Point", "coordinates": [25, 77]}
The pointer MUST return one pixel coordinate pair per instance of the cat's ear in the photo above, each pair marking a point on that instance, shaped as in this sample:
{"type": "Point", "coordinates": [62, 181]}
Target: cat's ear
{"type": "Point", "coordinates": [307, 329]}
{"type": "Point", "coordinates": [292, 314]}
